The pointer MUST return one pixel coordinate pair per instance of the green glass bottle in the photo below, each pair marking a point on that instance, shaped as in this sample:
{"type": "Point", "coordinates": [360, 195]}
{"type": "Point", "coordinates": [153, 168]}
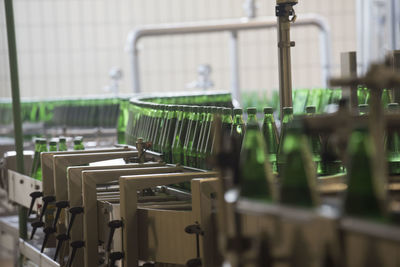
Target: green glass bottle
{"type": "Point", "coordinates": [298, 178]}
{"type": "Point", "coordinates": [270, 134]}
{"type": "Point", "coordinates": [365, 196]}
{"type": "Point", "coordinates": [315, 142]}
{"type": "Point", "coordinates": [177, 148]}
{"type": "Point", "coordinates": [238, 127]}
{"type": "Point", "coordinates": [203, 136]}
{"type": "Point", "coordinates": [178, 125]}
{"type": "Point", "coordinates": [336, 96]}
{"type": "Point", "coordinates": [159, 128]}
{"type": "Point", "coordinates": [252, 118]}
{"type": "Point", "coordinates": [192, 147]}
{"type": "Point", "coordinates": [122, 119]}
{"type": "Point", "coordinates": [169, 133]}
{"type": "Point", "coordinates": [217, 111]}
{"type": "Point", "coordinates": [300, 98]}
{"type": "Point", "coordinates": [53, 145]}
{"type": "Point", "coordinates": [325, 98]}
{"type": "Point", "coordinates": [286, 120]}
{"type": "Point", "coordinates": [42, 148]}
{"type": "Point", "coordinates": [193, 125]}
{"type": "Point", "coordinates": [314, 99]}
{"type": "Point", "coordinates": [256, 178]}
{"type": "Point", "coordinates": [36, 157]}
{"type": "Point", "coordinates": [227, 121]}
{"type": "Point", "coordinates": [393, 144]}
{"type": "Point", "coordinates": [385, 100]}
{"type": "Point", "coordinates": [78, 143]}
{"type": "Point", "coordinates": [208, 139]}
{"type": "Point", "coordinates": [62, 143]}
{"type": "Point", "coordinates": [363, 109]}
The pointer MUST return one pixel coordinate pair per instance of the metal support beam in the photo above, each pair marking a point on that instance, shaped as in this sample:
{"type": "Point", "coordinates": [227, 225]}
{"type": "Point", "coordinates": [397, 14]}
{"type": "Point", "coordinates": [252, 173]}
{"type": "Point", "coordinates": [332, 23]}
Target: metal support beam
{"type": "Point", "coordinates": [348, 66]}
{"type": "Point", "coordinates": [286, 15]}
{"type": "Point", "coordinates": [19, 145]}
{"type": "Point", "coordinates": [235, 81]}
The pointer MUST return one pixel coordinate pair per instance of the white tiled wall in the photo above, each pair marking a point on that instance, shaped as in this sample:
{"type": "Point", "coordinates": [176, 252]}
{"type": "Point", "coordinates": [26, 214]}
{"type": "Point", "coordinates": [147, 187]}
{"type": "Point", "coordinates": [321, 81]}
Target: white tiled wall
{"type": "Point", "coordinates": [67, 47]}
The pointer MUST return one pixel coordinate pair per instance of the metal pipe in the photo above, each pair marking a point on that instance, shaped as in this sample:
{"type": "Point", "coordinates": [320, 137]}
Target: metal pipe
{"type": "Point", "coordinates": [19, 145]}
{"type": "Point", "coordinates": [235, 82]}
{"type": "Point", "coordinates": [284, 59]}
{"type": "Point", "coordinates": [227, 25]}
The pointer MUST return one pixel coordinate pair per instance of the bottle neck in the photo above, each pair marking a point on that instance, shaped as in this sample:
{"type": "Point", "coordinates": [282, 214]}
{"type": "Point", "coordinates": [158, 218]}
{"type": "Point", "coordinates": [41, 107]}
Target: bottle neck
{"type": "Point", "coordinates": [238, 119]}
{"type": "Point", "coordinates": [252, 119]}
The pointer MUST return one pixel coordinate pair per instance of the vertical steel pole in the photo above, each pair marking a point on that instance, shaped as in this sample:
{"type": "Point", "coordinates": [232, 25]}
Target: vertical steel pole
{"type": "Point", "coordinates": [234, 57]}
{"type": "Point", "coordinates": [135, 71]}
{"type": "Point", "coordinates": [19, 146]}
{"type": "Point", "coordinates": [284, 10]}
{"type": "Point", "coordinates": [348, 66]}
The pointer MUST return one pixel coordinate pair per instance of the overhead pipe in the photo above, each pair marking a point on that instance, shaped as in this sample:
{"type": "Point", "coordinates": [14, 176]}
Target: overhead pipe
{"type": "Point", "coordinates": [233, 26]}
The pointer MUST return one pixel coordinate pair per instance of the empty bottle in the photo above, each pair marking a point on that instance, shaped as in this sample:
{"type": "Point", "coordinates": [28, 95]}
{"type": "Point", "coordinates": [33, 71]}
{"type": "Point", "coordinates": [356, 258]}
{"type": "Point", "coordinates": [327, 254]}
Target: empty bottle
{"type": "Point", "coordinates": [62, 144]}
{"type": "Point", "coordinates": [314, 141]}
{"type": "Point", "coordinates": [168, 135]}
{"type": "Point", "coordinates": [227, 121]}
{"type": "Point", "coordinates": [192, 151]}
{"type": "Point", "coordinates": [238, 127]}
{"type": "Point", "coordinates": [53, 145]}
{"type": "Point", "coordinates": [363, 109]}
{"type": "Point", "coordinates": [286, 120]}
{"type": "Point", "coordinates": [365, 195]}
{"type": "Point", "coordinates": [177, 147]}
{"type": "Point", "coordinates": [256, 178]}
{"type": "Point", "coordinates": [42, 148]}
{"type": "Point", "coordinates": [191, 132]}
{"type": "Point", "coordinates": [393, 144]}
{"type": "Point", "coordinates": [270, 134]}
{"type": "Point", "coordinates": [36, 157]}
{"type": "Point", "coordinates": [298, 178]}
{"type": "Point", "coordinates": [78, 143]}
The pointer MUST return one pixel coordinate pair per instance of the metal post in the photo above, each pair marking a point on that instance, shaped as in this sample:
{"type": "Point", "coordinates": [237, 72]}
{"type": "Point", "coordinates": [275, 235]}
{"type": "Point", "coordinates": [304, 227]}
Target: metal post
{"type": "Point", "coordinates": [284, 10]}
{"type": "Point", "coordinates": [135, 71]}
{"type": "Point", "coordinates": [235, 80]}
{"type": "Point", "coordinates": [395, 62]}
{"type": "Point", "coordinates": [19, 146]}
{"type": "Point", "coordinates": [348, 66]}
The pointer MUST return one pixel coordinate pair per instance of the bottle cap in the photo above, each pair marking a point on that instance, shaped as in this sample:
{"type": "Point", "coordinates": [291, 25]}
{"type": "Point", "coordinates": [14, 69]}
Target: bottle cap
{"type": "Point", "coordinates": [268, 110]}
{"type": "Point", "coordinates": [42, 141]}
{"type": "Point", "coordinates": [62, 139]}
{"type": "Point", "coordinates": [78, 139]}
{"type": "Point", "coordinates": [227, 111]}
{"type": "Point", "coordinates": [393, 106]}
{"type": "Point", "coordinates": [252, 110]}
{"type": "Point", "coordinates": [186, 108]}
{"type": "Point", "coordinates": [237, 111]}
{"type": "Point", "coordinates": [53, 143]}
{"type": "Point", "coordinates": [311, 109]}
{"type": "Point", "coordinates": [287, 110]}
{"type": "Point", "coordinates": [363, 108]}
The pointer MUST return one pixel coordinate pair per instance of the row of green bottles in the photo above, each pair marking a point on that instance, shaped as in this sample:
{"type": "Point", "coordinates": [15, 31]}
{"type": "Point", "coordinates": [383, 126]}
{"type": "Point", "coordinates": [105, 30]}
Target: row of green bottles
{"type": "Point", "coordinates": [393, 144]}
{"type": "Point", "coordinates": [41, 146]}
{"type": "Point", "coordinates": [392, 139]}
{"type": "Point", "coordinates": [183, 134]}
{"type": "Point", "coordinates": [203, 99]}
{"type": "Point", "coordinates": [364, 198]}
{"type": "Point", "coordinates": [320, 98]}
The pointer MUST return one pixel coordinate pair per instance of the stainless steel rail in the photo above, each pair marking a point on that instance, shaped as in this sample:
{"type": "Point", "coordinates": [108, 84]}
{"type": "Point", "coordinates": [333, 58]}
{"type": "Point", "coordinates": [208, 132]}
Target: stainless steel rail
{"type": "Point", "coordinates": [233, 26]}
